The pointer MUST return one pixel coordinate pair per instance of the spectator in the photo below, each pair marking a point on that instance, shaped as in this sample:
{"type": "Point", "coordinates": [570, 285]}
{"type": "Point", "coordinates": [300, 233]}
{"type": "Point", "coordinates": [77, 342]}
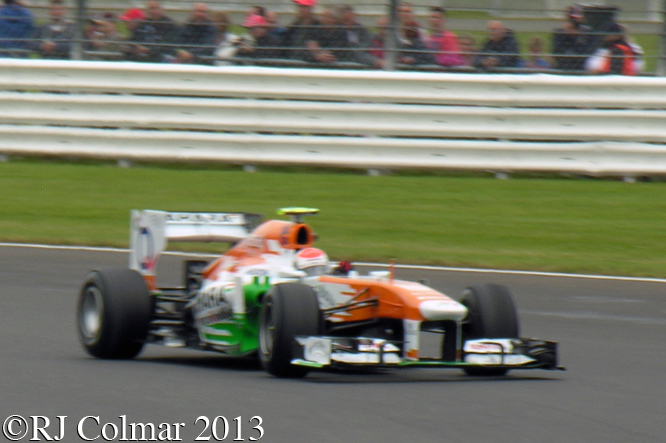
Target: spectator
{"type": "Point", "coordinates": [264, 45]}
{"type": "Point", "coordinates": [638, 50]}
{"type": "Point", "coordinates": [406, 14]}
{"type": "Point", "coordinates": [468, 49]}
{"type": "Point", "coordinates": [153, 36]}
{"type": "Point", "coordinates": [358, 37]}
{"type": "Point", "coordinates": [227, 42]}
{"type": "Point", "coordinates": [16, 27]}
{"type": "Point", "coordinates": [53, 40]}
{"type": "Point", "coordinates": [535, 57]}
{"type": "Point", "coordinates": [572, 43]}
{"type": "Point", "coordinates": [330, 45]}
{"type": "Point", "coordinates": [411, 49]}
{"type": "Point", "coordinates": [443, 42]}
{"type": "Point", "coordinates": [197, 37]}
{"type": "Point", "coordinates": [305, 28]}
{"type": "Point", "coordinates": [132, 17]}
{"type": "Point", "coordinates": [500, 49]}
{"type": "Point", "coordinates": [102, 41]}
{"type": "Point", "coordinates": [616, 55]}
{"type": "Point", "coordinates": [274, 27]}
{"type": "Point", "coordinates": [377, 42]}
{"type": "Point", "coordinates": [255, 10]}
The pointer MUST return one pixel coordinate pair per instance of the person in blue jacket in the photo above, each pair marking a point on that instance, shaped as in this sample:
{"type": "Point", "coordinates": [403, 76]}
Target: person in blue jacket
{"type": "Point", "coordinates": [16, 28]}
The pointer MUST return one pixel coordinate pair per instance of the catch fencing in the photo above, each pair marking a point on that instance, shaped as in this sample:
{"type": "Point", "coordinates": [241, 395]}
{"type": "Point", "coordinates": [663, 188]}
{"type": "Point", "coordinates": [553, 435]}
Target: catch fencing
{"type": "Point", "coordinates": [608, 125]}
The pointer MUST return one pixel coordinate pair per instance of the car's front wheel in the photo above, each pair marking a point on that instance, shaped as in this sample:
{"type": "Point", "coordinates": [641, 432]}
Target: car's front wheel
{"type": "Point", "coordinates": [289, 310]}
{"type": "Point", "coordinates": [113, 313]}
{"type": "Point", "coordinates": [491, 314]}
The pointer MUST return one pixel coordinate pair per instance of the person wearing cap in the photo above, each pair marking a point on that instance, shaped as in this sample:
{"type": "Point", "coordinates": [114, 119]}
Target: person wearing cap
{"type": "Point", "coordinates": [264, 45]}
{"type": "Point", "coordinates": [16, 27]}
{"type": "Point", "coordinates": [132, 17]}
{"type": "Point", "coordinates": [197, 38]}
{"type": "Point", "coordinates": [153, 37]}
{"type": "Point", "coordinates": [53, 40]}
{"type": "Point", "coordinates": [304, 29]}
{"type": "Point", "coordinates": [573, 42]}
{"type": "Point", "coordinates": [102, 41]}
{"type": "Point", "coordinates": [616, 56]}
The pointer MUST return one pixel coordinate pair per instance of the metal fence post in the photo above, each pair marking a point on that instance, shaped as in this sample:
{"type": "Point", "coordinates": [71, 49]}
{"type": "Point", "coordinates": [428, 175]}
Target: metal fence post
{"type": "Point", "coordinates": [661, 62]}
{"type": "Point", "coordinates": [81, 17]}
{"type": "Point", "coordinates": [391, 37]}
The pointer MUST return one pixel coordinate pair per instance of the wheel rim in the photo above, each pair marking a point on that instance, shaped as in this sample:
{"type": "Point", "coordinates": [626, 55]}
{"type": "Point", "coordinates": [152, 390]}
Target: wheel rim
{"type": "Point", "coordinates": [267, 329]}
{"type": "Point", "coordinates": [92, 313]}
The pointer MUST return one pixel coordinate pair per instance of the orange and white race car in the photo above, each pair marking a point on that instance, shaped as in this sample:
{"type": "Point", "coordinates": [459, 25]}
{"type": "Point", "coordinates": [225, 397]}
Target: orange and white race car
{"type": "Point", "coordinates": [275, 295]}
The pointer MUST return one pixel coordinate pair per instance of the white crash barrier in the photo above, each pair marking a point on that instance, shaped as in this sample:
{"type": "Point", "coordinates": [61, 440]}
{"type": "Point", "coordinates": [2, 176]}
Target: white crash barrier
{"type": "Point", "coordinates": [359, 119]}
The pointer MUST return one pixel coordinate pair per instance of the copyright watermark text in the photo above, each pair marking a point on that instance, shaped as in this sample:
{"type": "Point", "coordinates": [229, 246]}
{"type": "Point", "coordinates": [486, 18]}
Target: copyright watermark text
{"type": "Point", "coordinates": [93, 428]}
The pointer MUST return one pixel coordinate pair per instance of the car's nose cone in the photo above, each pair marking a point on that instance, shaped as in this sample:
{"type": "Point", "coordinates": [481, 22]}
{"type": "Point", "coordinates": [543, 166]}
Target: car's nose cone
{"type": "Point", "coordinates": [442, 310]}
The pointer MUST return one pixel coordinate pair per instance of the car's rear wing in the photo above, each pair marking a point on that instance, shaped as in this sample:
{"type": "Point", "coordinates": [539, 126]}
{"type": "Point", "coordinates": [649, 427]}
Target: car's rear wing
{"type": "Point", "coordinates": [150, 231]}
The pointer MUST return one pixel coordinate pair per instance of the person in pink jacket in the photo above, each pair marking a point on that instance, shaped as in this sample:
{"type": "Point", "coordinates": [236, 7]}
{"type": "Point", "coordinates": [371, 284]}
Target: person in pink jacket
{"type": "Point", "coordinates": [443, 42]}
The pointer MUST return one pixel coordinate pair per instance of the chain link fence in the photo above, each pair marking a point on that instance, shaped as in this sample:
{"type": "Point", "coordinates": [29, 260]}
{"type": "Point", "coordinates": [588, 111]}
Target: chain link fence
{"type": "Point", "coordinates": [626, 37]}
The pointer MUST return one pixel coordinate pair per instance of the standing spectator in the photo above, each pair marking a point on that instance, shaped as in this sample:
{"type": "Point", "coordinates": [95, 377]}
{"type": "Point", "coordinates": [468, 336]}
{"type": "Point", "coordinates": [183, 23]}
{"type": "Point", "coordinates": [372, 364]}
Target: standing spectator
{"type": "Point", "coordinates": [535, 57]}
{"type": "Point", "coordinates": [411, 49]}
{"type": "Point", "coordinates": [274, 26]}
{"type": "Point", "coordinates": [500, 49]}
{"type": "Point", "coordinates": [53, 40]}
{"type": "Point", "coordinates": [572, 43]}
{"type": "Point", "coordinates": [16, 27]}
{"type": "Point", "coordinates": [132, 18]}
{"type": "Point", "coordinates": [377, 42]}
{"type": "Point", "coordinates": [102, 41]}
{"type": "Point", "coordinates": [443, 42]}
{"type": "Point", "coordinates": [616, 56]}
{"type": "Point", "coordinates": [330, 45]}
{"type": "Point", "coordinates": [264, 45]}
{"type": "Point", "coordinates": [153, 37]}
{"type": "Point", "coordinates": [358, 37]}
{"type": "Point", "coordinates": [305, 28]}
{"type": "Point", "coordinates": [197, 37]}
{"type": "Point", "coordinates": [227, 42]}
{"type": "Point", "coordinates": [468, 49]}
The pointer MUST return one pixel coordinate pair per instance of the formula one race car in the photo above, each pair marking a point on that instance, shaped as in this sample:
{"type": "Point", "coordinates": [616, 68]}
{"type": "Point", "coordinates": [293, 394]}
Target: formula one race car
{"type": "Point", "coordinates": [276, 296]}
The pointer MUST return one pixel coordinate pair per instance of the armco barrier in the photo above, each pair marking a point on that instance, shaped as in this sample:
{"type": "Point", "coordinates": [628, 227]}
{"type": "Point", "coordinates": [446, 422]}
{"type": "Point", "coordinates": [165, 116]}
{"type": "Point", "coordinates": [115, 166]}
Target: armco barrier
{"type": "Point", "coordinates": [358, 119]}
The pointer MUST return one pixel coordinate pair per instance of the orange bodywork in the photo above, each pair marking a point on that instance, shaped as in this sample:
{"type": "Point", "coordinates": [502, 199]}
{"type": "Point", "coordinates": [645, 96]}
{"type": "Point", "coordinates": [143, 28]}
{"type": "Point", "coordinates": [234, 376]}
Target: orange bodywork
{"type": "Point", "coordinates": [249, 251]}
{"type": "Point", "coordinates": [398, 299]}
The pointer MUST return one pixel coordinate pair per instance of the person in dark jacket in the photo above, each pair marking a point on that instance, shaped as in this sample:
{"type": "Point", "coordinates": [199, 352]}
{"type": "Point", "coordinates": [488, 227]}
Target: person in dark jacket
{"type": "Point", "coordinates": [197, 39]}
{"type": "Point", "coordinates": [411, 49]}
{"type": "Point", "coordinates": [16, 27]}
{"type": "Point", "coordinates": [500, 50]}
{"type": "Point", "coordinates": [53, 40]}
{"type": "Point", "coordinates": [265, 45]}
{"type": "Point", "coordinates": [152, 39]}
{"type": "Point", "coordinates": [305, 28]}
{"type": "Point", "coordinates": [573, 43]}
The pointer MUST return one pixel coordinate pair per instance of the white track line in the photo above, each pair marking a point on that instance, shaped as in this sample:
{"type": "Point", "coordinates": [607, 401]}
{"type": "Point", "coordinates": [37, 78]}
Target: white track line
{"type": "Point", "coordinates": [377, 265]}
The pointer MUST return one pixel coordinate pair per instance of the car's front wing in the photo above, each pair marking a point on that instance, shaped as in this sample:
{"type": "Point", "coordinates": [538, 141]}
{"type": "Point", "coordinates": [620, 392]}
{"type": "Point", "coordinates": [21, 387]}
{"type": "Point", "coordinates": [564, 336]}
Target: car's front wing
{"type": "Point", "coordinates": [340, 352]}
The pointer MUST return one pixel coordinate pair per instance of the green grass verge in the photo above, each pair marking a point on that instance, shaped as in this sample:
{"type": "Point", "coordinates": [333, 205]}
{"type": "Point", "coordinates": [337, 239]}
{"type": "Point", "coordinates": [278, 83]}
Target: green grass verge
{"type": "Point", "coordinates": [551, 224]}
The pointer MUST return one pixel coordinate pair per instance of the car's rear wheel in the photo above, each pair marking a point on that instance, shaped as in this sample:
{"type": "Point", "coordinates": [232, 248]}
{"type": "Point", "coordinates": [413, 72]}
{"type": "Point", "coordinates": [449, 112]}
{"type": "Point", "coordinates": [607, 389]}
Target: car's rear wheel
{"type": "Point", "coordinates": [289, 310]}
{"type": "Point", "coordinates": [113, 313]}
{"type": "Point", "coordinates": [492, 314]}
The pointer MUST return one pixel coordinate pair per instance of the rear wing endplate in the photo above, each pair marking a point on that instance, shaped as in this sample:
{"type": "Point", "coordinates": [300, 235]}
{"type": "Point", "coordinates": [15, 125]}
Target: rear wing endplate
{"type": "Point", "coordinates": [150, 231]}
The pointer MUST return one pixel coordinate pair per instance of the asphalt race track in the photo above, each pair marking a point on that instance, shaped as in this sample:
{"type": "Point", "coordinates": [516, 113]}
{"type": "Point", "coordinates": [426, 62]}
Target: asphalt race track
{"type": "Point", "coordinates": [612, 340]}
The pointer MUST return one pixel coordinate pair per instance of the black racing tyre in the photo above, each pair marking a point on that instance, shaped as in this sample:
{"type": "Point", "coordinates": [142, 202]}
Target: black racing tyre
{"type": "Point", "coordinates": [289, 310]}
{"type": "Point", "coordinates": [113, 313]}
{"type": "Point", "coordinates": [492, 314]}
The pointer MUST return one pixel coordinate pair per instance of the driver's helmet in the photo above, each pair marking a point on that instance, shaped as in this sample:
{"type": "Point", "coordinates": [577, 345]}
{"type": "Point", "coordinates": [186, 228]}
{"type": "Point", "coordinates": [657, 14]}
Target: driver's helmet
{"type": "Point", "coordinates": [313, 261]}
